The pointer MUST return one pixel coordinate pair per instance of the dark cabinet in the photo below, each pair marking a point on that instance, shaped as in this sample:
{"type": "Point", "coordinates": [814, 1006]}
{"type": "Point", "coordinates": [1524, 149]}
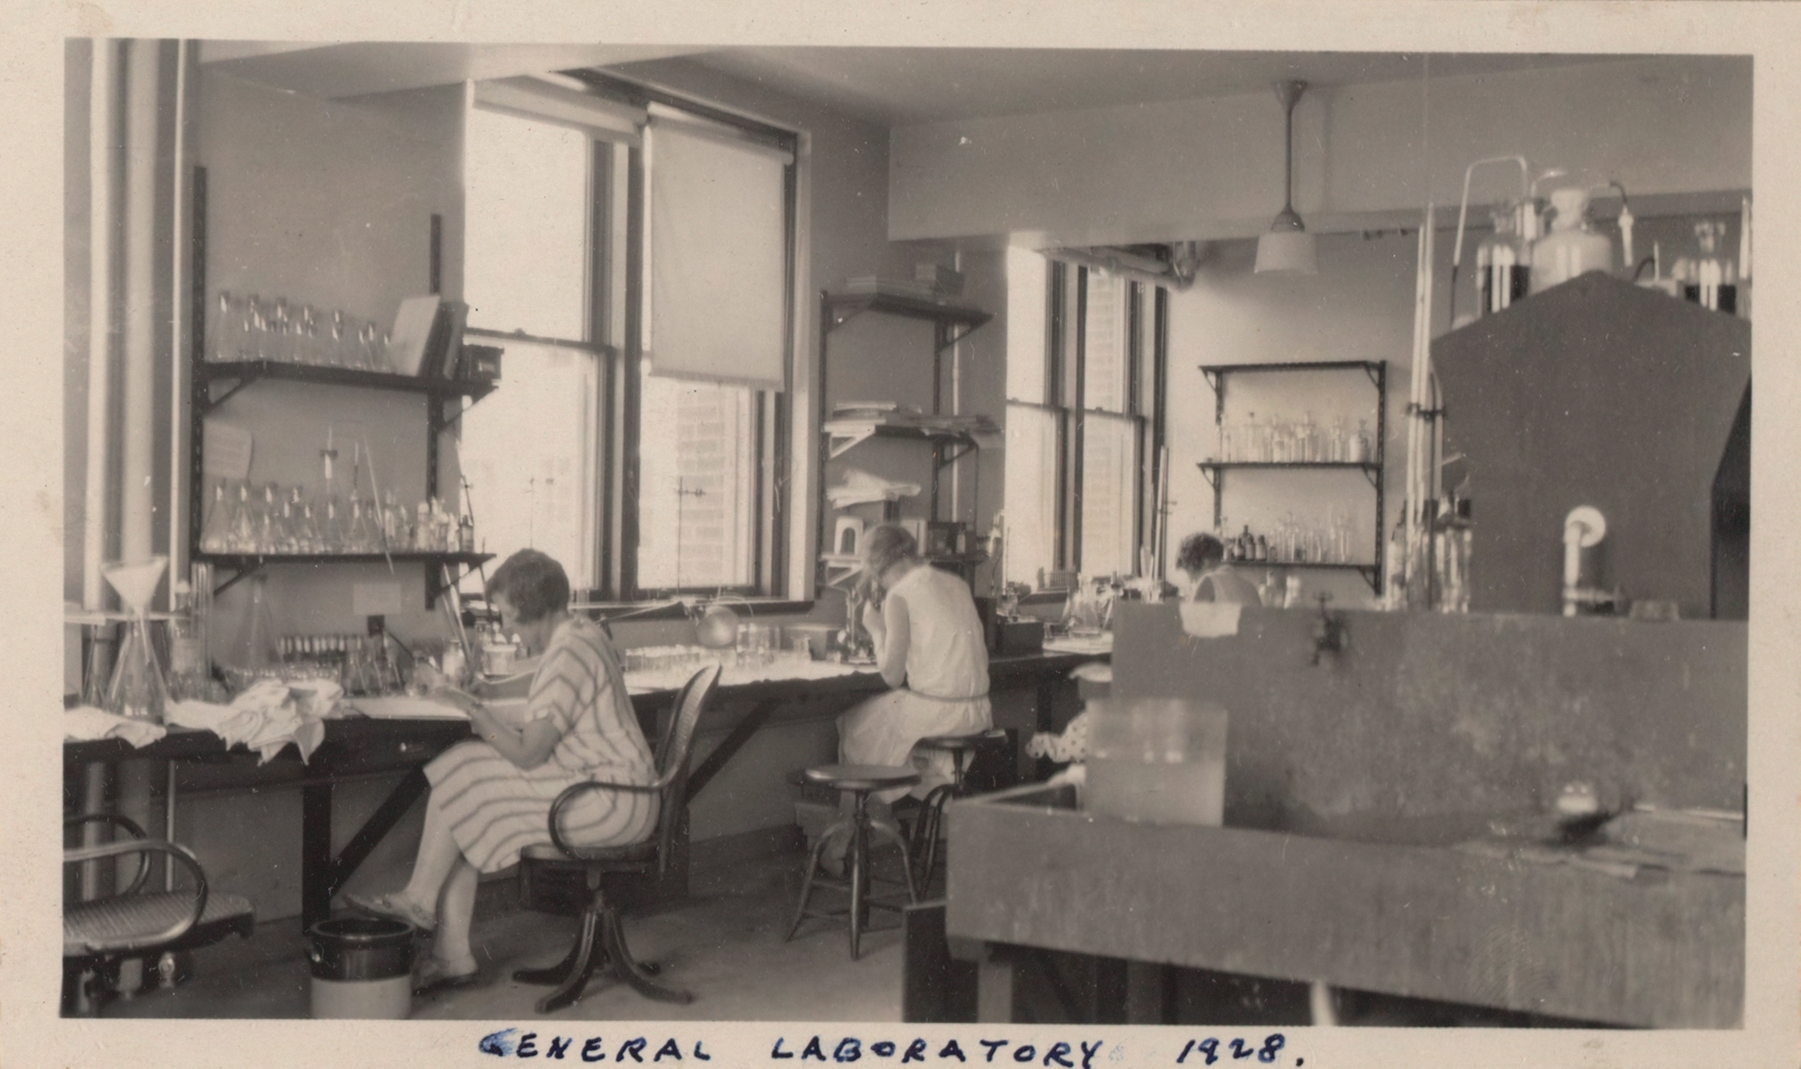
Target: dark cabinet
{"type": "Point", "coordinates": [1598, 392]}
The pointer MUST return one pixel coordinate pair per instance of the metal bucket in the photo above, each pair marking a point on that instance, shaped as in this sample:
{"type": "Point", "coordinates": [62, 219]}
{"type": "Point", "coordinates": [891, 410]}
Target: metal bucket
{"type": "Point", "coordinates": [362, 968]}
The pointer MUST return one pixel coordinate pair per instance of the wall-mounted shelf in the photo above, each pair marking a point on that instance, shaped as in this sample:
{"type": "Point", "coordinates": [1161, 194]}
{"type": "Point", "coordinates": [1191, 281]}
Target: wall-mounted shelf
{"type": "Point", "coordinates": [244, 565]}
{"type": "Point", "coordinates": [244, 372]}
{"type": "Point", "coordinates": [951, 324]}
{"type": "Point", "coordinates": [844, 435]}
{"type": "Point", "coordinates": [841, 308]}
{"type": "Point", "coordinates": [215, 383]}
{"type": "Point", "coordinates": [1214, 470]}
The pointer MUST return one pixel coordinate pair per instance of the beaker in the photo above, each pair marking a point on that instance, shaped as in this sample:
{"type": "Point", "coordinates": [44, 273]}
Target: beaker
{"type": "Point", "coordinates": [138, 690]}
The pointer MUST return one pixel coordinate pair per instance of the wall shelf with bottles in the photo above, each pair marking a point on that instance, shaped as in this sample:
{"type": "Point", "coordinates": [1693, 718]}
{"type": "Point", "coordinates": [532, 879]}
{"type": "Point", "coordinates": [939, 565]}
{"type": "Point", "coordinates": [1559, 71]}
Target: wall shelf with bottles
{"type": "Point", "coordinates": [213, 383]}
{"type": "Point", "coordinates": [1303, 449]}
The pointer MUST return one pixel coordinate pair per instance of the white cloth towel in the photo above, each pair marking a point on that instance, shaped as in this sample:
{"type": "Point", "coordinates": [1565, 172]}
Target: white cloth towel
{"type": "Point", "coordinates": [86, 723]}
{"type": "Point", "coordinates": [267, 716]}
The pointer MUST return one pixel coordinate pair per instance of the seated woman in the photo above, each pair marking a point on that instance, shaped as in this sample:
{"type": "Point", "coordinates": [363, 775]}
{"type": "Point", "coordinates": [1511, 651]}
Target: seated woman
{"type": "Point", "coordinates": [930, 647]}
{"type": "Point", "coordinates": [1203, 557]}
{"type": "Point", "coordinates": [491, 796]}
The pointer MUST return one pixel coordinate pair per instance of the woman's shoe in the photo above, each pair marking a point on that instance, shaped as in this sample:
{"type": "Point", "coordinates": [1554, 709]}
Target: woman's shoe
{"type": "Point", "coordinates": [394, 906]}
{"type": "Point", "coordinates": [440, 975]}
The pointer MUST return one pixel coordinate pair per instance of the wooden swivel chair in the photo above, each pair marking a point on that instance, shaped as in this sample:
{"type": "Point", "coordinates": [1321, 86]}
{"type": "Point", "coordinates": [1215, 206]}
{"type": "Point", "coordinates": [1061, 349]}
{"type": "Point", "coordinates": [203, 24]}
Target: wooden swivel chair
{"type": "Point", "coordinates": [101, 933]}
{"type": "Point", "coordinates": [601, 942]}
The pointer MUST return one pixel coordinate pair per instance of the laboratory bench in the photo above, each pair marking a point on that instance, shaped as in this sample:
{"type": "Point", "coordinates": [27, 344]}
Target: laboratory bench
{"type": "Point", "coordinates": [362, 747]}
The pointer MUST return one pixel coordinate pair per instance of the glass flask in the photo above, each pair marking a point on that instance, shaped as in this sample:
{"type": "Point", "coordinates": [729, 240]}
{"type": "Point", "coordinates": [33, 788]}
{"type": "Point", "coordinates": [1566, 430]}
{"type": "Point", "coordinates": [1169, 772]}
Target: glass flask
{"type": "Point", "coordinates": [253, 649]}
{"type": "Point", "coordinates": [243, 522]}
{"type": "Point", "coordinates": [138, 690]}
{"type": "Point", "coordinates": [215, 530]}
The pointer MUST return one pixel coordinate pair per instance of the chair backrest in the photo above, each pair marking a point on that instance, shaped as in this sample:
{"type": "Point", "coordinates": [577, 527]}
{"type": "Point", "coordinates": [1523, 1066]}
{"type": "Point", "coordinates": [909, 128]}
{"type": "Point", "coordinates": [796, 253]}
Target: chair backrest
{"type": "Point", "coordinates": [672, 762]}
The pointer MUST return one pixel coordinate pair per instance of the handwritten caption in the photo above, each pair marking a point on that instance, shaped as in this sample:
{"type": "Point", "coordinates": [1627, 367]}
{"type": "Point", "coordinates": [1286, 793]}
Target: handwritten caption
{"type": "Point", "coordinates": [515, 1043]}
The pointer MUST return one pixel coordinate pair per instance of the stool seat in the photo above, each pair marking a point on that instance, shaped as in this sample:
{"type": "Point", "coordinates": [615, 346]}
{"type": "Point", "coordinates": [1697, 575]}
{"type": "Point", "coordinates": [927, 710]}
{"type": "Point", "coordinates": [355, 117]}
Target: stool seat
{"type": "Point", "coordinates": [960, 744]}
{"type": "Point", "coordinates": [862, 777]}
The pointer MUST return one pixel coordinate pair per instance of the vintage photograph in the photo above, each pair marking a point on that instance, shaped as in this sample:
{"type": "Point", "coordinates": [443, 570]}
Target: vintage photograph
{"type": "Point", "coordinates": [1247, 540]}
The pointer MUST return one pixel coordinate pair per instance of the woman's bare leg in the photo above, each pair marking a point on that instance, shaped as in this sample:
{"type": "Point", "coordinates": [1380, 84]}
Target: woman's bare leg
{"type": "Point", "coordinates": [456, 914]}
{"type": "Point", "coordinates": [437, 859]}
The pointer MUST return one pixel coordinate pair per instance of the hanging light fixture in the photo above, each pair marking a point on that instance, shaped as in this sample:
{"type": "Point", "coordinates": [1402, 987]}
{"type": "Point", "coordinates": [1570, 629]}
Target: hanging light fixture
{"type": "Point", "coordinates": [1287, 248]}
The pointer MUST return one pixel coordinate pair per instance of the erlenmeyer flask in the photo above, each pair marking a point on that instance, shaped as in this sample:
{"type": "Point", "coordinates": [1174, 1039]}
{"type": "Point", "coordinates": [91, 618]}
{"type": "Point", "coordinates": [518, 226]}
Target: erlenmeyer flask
{"type": "Point", "coordinates": [138, 690]}
{"type": "Point", "coordinates": [215, 531]}
{"type": "Point", "coordinates": [254, 647]}
{"type": "Point", "coordinates": [243, 522]}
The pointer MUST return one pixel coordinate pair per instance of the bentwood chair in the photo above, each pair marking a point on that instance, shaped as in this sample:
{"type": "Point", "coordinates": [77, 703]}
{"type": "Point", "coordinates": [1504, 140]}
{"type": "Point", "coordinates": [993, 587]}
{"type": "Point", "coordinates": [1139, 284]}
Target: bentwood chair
{"type": "Point", "coordinates": [600, 945]}
{"type": "Point", "coordinates": [100, 934]}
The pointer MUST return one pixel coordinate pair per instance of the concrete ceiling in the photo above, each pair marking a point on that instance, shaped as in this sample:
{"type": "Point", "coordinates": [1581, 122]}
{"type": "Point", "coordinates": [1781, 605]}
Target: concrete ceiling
{"type": "Point", "coordinates": [887, 86]}
{"type": "Point", "coordinates": [908, 86]}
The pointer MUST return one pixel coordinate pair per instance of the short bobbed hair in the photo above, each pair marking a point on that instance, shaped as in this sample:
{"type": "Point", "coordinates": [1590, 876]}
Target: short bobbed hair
{"type": "Point", "coordinates": [1200, 553]}
{"type": "Point", "coordinates": [887, 545]}
{"type": "Point", "coordinates": [533, 582]}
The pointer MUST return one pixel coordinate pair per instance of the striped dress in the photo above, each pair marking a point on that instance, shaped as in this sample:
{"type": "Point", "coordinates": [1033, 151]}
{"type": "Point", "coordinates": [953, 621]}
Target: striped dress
{"type": "Point", "coordinates": [497, 809]}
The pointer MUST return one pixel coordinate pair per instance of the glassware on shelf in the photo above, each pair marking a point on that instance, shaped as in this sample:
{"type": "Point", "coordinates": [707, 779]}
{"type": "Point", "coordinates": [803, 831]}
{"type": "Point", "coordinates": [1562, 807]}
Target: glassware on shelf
{"type": "Point", "coordinates": [216, 528]}
{"type": "Point", "coordinates": [253, 649]}
{"type": "Point", "coordinates": [138, 690]}
{"type": "Point", "coordinates": [1361, 444]}
{"type": "Point", "coordinates": [1502, 271]}
{"type": "Point", "coordinates": [1711, 280]}
{"type": "Point", "coordinates": [243, 523]}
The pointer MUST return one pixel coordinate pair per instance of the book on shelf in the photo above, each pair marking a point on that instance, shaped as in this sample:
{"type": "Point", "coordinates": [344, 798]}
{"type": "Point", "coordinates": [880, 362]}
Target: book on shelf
{"type": "Point", "coordinates": [413, 325]}
{"type": "Point", "coordinates": [444, 341]}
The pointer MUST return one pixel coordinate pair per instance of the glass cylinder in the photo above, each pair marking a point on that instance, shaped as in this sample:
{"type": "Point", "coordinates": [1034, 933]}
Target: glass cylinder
{"type": "Point", "coordinates": [1502, 271]}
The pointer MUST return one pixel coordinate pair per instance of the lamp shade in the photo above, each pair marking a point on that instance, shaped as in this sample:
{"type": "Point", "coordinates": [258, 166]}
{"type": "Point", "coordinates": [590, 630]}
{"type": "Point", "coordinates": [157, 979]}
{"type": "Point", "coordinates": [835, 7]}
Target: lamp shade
{"type": "Point", "coordinates": [1289, 252]}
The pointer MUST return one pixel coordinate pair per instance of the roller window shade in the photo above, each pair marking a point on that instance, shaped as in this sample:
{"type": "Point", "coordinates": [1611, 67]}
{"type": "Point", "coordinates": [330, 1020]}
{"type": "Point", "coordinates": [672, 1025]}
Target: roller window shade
{"type": "Point", "coordinates": [542, 100]}
{"type": "Point", "coordinates": [717, 256]}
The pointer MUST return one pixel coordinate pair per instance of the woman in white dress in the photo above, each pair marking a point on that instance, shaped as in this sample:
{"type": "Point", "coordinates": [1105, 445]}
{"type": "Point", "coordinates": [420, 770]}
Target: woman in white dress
{"type": "Point", "coordinates": [930, 648]}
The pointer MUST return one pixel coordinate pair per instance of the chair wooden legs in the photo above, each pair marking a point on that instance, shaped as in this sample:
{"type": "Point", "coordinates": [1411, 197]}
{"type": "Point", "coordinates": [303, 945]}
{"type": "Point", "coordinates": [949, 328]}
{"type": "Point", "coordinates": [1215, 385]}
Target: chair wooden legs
{"type": "Point", "coordinates": [625, 967]}
{"type": "Point", "coordinates": [599, 947]}
{"type": "Point", "coordinates": [585, 946]}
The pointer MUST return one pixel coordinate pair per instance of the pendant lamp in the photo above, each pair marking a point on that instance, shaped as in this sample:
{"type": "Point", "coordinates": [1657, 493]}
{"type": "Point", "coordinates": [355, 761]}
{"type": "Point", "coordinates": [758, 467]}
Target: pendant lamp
{"type": "Point", "coordinates": [1287, 248]}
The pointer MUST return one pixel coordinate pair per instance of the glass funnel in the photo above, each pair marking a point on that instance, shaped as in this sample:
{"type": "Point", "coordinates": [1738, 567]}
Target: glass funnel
{"type": "Point", "coordinates": [138, 690]}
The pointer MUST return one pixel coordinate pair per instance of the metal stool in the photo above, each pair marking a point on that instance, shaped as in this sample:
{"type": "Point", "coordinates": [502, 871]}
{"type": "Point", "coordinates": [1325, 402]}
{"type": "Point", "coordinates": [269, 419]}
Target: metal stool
{"type": "Point", "coordinates": [926, 827]}
{"type": "Point", "coordinates": [858, 781]}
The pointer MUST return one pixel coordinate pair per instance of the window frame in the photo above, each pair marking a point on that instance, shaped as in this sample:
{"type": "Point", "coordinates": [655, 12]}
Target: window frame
{"type": "Point", "coordinates": [1065, 356]}
{"type": "Point", "coordinates": [615, 294]}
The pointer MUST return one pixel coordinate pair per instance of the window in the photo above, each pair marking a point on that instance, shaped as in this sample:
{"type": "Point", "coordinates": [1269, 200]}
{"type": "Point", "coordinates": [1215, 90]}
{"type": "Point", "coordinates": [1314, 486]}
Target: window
{"type": "Point", "coordinates": [638, 424]}
{"type": "Point", "coordinates": [1084, 353]}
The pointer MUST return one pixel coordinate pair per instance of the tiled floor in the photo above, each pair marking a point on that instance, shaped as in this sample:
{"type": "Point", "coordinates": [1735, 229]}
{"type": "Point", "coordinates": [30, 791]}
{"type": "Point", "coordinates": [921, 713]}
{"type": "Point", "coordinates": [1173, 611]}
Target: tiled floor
{"type": "Point", "coordinates": [724, 943]}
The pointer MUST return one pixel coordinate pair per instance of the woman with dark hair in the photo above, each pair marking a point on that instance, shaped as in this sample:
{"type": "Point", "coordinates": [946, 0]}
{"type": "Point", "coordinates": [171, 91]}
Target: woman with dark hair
{"type": "Point", "coordinates": [1203, 557]}
{"type": "Point", "coordinates": [930, 648]}
{"type": "Point", "coordinates": [491, 796]}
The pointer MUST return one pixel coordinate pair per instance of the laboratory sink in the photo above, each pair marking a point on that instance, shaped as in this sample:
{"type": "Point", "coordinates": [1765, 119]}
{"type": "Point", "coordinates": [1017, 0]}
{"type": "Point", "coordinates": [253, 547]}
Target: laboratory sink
{"type": "Point", "coordinates": [1481, 909]}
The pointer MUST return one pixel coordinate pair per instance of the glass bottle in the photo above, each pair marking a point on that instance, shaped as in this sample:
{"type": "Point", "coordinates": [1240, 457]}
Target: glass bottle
{"type": "Point", "coordinates": [1572, 248]}
{"type": "Point", "coordinates": [1501, 270]}
{"type": "Point", "coordinates": [270, 534]}
{"type": "Point", "coordinates": [1360, 443]}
